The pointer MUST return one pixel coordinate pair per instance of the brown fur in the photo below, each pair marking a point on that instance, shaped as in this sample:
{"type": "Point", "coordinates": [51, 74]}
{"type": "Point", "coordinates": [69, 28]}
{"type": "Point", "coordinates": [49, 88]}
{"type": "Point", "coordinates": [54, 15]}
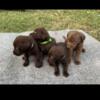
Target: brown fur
{"type": "Point", "coordinates": [74, 42]}
{"type": "Point", "coordinates": [57, 54]}
{"type": "Point", "coordinates": [41, 34]}
{"type": "Point", "coordinates": [27, 46]}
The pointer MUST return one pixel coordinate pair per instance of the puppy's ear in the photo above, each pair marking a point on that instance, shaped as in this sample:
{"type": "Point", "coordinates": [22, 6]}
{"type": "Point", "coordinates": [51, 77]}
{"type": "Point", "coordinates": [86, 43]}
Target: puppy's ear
{"type": "Point", "coordinates": [82, 37]}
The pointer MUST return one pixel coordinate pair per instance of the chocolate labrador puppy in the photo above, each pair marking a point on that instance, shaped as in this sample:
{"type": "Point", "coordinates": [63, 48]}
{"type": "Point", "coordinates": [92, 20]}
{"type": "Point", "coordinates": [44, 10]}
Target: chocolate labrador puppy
{"type": "Point", "coordinates": [43, 39]}
{"type": "Point", "coordinates": [74, 41]}
{"type": "Point", "coordinates": [27, 46]}
{"type": "Point", "coordinates": [58, 54]}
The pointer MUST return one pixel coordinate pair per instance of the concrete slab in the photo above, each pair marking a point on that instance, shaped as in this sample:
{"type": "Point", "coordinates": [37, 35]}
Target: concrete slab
{"type": "Point", "coordinates": [12, 71]}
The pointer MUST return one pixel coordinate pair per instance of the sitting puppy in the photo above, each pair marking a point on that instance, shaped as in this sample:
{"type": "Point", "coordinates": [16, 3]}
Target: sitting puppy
{"type": "Point", "coordinates": [74, 42]}
{"type": "Point", "coordinates": [58, 54]}
{"type": "Point", "coordinates": [27, 46]}
{"type": "Point", "coordinates": [43, 39]}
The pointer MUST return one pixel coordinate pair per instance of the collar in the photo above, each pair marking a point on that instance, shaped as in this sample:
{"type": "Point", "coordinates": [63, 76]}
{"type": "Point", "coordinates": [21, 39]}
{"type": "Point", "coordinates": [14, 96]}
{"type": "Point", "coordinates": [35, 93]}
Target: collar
{"type": "Point", "coordinates": [46, 41]}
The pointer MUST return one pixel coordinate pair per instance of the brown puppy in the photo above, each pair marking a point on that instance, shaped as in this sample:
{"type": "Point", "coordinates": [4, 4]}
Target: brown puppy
{"type": "Point", "coordinates": [74, 42]}
{"type": "Point", "coordinates": [27, 46]}
{"type": "Point", "coordinates": [42, 37]}
{"type": "Point", "coordinates": [57, 54]}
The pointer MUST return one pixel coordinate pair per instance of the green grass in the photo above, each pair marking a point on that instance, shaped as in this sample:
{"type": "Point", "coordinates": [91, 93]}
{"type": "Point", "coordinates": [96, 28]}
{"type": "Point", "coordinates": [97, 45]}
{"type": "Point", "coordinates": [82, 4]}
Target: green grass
{"type": "Point", "coordinates": [19, 21]}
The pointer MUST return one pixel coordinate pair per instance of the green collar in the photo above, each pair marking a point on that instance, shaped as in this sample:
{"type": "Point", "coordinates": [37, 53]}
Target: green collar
{"type": "Point", "coordinates": [47, 41]}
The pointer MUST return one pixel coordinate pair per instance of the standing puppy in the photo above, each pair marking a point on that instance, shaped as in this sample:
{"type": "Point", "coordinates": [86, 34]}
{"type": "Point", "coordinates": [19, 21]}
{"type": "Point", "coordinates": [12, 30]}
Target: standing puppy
{"type": "Point", "coordinates": [74, 42]}
{"type": "Point", "coordinates": [58, 55]}
{"type": "Point", "coordinates": [27, 46]}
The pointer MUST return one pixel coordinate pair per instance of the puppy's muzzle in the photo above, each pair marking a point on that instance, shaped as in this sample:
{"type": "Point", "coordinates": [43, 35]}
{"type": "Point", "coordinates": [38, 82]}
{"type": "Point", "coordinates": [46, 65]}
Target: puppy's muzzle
{"type": "Point", "coordinates": [16, 53]}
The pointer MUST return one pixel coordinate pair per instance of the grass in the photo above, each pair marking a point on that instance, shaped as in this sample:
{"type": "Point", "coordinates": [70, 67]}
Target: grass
{"type": "Point", "coordinates": [19, 21]}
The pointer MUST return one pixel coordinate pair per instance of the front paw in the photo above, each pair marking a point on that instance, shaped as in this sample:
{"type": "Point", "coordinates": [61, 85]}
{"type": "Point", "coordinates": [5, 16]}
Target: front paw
{"type": "Point", "coordinates": [56, 73]}
{"type": "Point", "coordinates": [39, 65]}
{"type": "Point", "coordinates": [77, 62]}
{"type": "Point", "coordinates": [26, 64]}
{"type": "Point", "coordinates": [51, 65]}
{"type": "Point", "coordinates": [65, 74]}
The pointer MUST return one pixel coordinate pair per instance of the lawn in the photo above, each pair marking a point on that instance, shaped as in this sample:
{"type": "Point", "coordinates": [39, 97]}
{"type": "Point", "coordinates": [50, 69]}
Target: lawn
{"type": "Point", "coordinates": [19, 21]}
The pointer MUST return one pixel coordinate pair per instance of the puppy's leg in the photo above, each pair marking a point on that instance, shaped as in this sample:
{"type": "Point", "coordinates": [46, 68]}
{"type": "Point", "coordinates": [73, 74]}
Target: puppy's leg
{"type": "Point", "coordinates": [65, 68]}
{"type": "Point", "coordinates": [26, 58]}
{"type": "Point", "coordinates": [78, 52]}
{"type": "Point", "coordinates": [39, 60]}
{"type": "Point", "coordinates": [69, 54]}
{"type": "Point", "coordinates": [57, 72]}
{"type": "Point", "coordinates": [51, 62]}
{"type": "Point", "coordinates": [54, 64]}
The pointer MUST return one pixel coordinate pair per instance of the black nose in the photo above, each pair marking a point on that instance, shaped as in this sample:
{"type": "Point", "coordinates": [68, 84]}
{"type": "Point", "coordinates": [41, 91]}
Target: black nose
{"type": "Point", "coordinates": [16, 53]}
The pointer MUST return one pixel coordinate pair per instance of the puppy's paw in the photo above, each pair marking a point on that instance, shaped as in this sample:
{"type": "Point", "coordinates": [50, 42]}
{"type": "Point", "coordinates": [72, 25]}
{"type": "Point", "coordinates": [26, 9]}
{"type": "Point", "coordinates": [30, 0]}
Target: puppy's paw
{"type": "Point", "coordinates": [23, 58]}
{"type": "Point", "coordinates": [77, 62]}
{"type": "Point", "coordinates": [57, 73]}
{"type": "Point", "coordinates": [39, 65]}
{"type": "Point", "coordinates": [51, 65]}
{"type": "Point", "coordinates": [26, 64]}
{"type": "Point", "coordinates": [83, 50]}
{"type": "Point", "coordinates": [65, 74]}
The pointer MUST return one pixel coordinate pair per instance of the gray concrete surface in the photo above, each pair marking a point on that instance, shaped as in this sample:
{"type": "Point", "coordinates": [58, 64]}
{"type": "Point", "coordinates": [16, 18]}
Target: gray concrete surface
{"type": "Point", "coordinates": [12, 71]}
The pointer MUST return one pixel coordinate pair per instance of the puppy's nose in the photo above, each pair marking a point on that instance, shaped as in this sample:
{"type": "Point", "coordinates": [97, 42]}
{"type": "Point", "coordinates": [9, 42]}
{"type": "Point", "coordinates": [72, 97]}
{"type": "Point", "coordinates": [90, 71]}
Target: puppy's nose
{"type": "Point", "coordinates": [14, 52]}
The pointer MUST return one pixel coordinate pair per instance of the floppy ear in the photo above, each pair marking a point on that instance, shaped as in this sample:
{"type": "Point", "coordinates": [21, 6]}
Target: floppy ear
{"type": "Point", "coordinates": [82, 37]}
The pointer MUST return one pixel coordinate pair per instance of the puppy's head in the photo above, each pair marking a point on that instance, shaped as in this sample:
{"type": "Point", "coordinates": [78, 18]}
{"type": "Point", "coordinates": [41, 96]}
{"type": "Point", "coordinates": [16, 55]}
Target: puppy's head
{"type": "Point", "coordinates": [74, 38]}
{"type": "Point", "coordinates": [40, 34]}
{"type": "Point", "coordinates": [21, 45]}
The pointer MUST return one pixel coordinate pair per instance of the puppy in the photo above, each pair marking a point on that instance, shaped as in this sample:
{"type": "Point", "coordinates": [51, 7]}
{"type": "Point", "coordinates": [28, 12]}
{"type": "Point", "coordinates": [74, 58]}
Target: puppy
{"type": "Point", "coordinates": [40, 34]}
{"type": "Point", "coordinates": [27, 46]}
{"type": "Point", "coordinates": [74, 42]}
{"type": "Point", "coordinates": [58, 54]}
{"type": "Point", "coordinates": [44, 40]}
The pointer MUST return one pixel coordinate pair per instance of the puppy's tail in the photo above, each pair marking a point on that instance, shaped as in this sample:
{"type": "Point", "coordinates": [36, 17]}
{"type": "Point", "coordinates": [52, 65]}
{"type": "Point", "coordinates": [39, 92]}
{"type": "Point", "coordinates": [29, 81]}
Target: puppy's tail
{"type": "Point", "coordinates": [83, 37]}
{"type": "Point", "coordinates": [64, 37]}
